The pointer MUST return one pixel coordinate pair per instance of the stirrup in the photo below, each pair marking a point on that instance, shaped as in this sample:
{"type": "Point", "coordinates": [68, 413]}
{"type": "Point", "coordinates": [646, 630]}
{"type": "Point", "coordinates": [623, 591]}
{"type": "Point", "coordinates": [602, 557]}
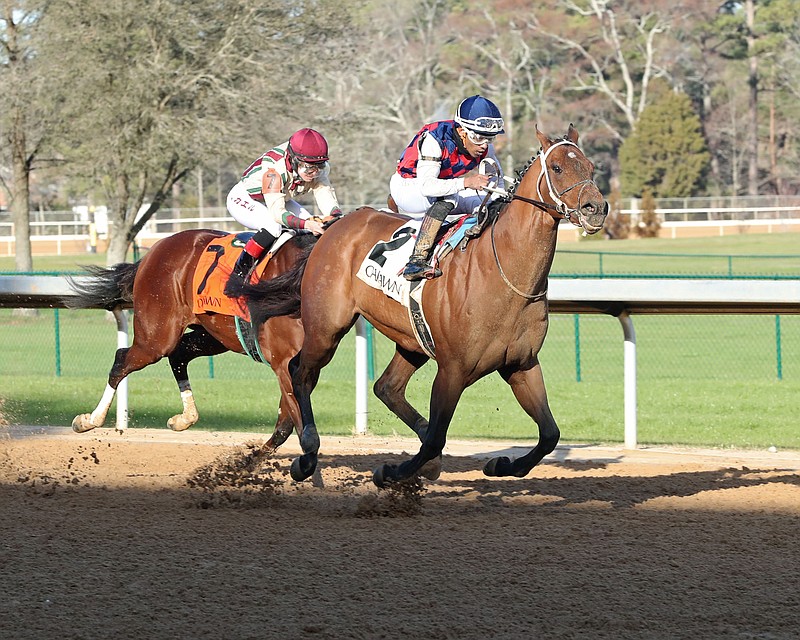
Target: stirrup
{"type": "Point", "coordinates": [420, 271]}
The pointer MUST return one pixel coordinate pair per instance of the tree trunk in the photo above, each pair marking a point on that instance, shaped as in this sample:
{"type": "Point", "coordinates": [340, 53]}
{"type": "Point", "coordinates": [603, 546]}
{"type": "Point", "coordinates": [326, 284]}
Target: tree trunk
{"type": "Point", "coordinates": [20, 198]}
{"type": "Point", "coordinates": [752, 169]}
{"type": "Point", "coordinates": [117, 247]}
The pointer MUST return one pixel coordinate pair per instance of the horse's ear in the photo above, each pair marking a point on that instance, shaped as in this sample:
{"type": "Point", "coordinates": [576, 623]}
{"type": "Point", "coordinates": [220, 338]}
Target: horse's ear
{"type": "Point", "coordinates": [572, 134]}
{"type": "Point", "coordinates": [543, 139]}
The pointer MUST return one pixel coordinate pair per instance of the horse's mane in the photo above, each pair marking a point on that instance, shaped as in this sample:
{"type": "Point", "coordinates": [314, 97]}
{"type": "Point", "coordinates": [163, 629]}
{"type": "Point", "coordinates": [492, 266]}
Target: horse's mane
{"type": "Point", "coordinates": [512, 190]}
{"type": "Point", "coordinates": [280, 296]}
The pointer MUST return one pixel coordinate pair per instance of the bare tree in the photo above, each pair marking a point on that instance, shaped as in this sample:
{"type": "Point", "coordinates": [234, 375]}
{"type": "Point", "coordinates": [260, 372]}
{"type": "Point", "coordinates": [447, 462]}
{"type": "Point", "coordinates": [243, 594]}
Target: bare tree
{"type": "Point", "coordinates": [615, 50]}
{"type": "Point", "coordinates": [160, 85]}
{"type": "Point", "coordinates": [27, 118]}
{"type": "Point", "coordinates": [394, 83]}
{"type": "Point", "coordinates": [509, 65]}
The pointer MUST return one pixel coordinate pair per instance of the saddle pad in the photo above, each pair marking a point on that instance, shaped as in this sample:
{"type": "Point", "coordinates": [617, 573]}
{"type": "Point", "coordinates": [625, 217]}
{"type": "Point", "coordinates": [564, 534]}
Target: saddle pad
{"type": "Point", "coordinates": [212, 273]}
{"type": "Point", "coordinates": [383, 267]}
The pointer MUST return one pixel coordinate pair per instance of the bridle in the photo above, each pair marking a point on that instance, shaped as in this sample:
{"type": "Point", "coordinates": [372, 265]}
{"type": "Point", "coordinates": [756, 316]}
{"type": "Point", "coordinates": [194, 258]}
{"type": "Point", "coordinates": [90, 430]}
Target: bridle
{"type": "Point", "coordinates": [560, 207]}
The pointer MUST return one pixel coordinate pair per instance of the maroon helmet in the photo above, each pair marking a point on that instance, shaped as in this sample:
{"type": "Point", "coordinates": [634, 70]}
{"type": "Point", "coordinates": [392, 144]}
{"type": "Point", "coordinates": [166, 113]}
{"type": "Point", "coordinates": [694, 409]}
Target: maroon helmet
{"type": "Point", "coordinates": [309, 146]}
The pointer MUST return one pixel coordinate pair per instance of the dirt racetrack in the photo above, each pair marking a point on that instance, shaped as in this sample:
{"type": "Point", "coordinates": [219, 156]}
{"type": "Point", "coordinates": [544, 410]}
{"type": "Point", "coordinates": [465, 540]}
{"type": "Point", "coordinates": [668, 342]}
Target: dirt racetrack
{"type": "Point", "coordinates": [150, 534]}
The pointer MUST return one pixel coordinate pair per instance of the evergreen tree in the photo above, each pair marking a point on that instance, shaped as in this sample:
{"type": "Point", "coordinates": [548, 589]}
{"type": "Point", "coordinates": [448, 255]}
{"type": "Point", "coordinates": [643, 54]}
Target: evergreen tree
{"type": "Point", "coordinates": [649, 225]}
{"type": "Point", "coordinates": [667, 152]}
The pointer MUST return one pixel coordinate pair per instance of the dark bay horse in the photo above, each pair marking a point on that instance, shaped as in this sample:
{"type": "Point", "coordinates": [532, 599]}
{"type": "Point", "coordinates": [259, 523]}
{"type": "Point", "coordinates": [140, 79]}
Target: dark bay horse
{"type": "Point", "coordinates": [486, 313]}
{"type": "Point", "coordinates": [160, 288]}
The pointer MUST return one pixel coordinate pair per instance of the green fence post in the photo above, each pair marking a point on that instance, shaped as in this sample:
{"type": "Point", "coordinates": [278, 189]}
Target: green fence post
{"type": "Point", "coordinates": [58, 342]}
{"type": "Point", "coordinates": [211, 367]}
{"type": "Point", "coordinates": [778, 347]}
{"type": "Point", "coordinates": [577, 324]}
{"type": "Point", "coordinates": [730, 266]}
{"type": "Point", "coordinates": [600, 263]}
{"type": "Point", "coordinates": [370, 353]}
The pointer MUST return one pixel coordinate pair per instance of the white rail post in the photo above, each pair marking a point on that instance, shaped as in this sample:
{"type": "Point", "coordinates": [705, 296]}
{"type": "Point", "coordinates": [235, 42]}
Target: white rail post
{"type": "Point", "coordinates": [361, 377]}
{"type": "Point", "coordinates": [122, 390]}
{"type": "Point", "coordinates": [630, 379]}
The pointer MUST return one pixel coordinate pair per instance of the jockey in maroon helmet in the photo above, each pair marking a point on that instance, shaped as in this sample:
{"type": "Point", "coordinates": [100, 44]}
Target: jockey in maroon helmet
{"type": "Point", "coordinates": [263, 198]}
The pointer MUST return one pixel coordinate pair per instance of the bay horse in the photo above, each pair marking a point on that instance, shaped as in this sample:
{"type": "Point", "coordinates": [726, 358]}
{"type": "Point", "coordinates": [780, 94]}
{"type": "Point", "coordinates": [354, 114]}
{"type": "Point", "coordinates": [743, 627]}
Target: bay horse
{"type": "Point", "coordinates": [159, 287]}
{"type": "Point", "coordinates": [487, 312]}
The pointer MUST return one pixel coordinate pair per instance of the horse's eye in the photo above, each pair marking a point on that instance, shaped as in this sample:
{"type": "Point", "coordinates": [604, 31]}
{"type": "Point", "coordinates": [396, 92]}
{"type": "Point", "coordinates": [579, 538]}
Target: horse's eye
{"type": "Point", "coordinates": [557, 168]}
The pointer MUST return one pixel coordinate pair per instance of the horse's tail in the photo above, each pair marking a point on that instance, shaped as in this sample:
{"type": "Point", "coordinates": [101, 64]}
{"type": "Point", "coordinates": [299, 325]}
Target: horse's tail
{"type": "Point", "coordinates": [278, 296]}
{"type": "Point", "coordinates": [105, 289]}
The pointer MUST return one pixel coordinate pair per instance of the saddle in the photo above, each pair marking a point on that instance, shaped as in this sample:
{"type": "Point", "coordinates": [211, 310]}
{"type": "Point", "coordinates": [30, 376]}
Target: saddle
{"type": "Point", "coordinates": [212, 273]}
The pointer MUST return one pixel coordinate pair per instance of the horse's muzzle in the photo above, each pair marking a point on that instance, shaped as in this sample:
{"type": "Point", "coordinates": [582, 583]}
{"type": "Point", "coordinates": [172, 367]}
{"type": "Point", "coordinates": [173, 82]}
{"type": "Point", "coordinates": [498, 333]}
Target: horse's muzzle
{"type": "Point", "coordinates": [592, 216]}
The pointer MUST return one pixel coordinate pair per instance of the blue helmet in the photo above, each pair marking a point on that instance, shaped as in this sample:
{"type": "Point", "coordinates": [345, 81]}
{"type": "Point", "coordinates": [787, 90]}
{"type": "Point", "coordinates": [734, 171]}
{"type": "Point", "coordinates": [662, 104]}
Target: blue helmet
{"type": "Point", "coordinates": [480, 115]}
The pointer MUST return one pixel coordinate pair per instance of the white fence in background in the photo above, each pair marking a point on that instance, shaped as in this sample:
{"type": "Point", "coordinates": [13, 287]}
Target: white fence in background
{"type": "Point", "coordinates": [67, 232]}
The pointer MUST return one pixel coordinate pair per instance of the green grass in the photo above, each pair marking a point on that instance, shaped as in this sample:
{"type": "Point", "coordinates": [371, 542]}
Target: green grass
{"type": "Point", "coordinates": [51, 264]}
{"type": "Point", "coordinates": [702, 380]}
{"type": "Point", "coordinates": [775, 254]}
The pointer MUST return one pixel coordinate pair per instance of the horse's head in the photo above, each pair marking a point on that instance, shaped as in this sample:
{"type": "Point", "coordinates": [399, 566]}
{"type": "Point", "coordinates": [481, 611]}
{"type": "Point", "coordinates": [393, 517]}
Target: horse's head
{"type": "Point", "coordinates": [566, 182]}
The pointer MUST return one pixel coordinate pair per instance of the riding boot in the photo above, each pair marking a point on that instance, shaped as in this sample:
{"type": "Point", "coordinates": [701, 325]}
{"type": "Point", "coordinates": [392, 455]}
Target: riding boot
{"type": "Point", "coordinates": [418, 267]}
{"type": "Point", "coordinates": [256, 247]}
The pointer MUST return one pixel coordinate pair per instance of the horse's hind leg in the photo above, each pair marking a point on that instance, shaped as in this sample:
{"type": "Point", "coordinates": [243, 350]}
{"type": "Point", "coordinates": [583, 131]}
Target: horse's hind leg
{"type": "Point", "coordinates": [126, 361]}
{"type": "Point", "coordinates": [87, 421]}
{"type": "Point", "coordinates": [528, 388]}
{"type": "Point", "coordinates": [305, 376]}
{"type": "Point", "coordinates": [318, 349]}
{"type": "Point", "coordinates": [390, 389]}
{"type": "Point", "coordinates": [193, 344]}
{"type": "Point", "coordinates": [152, 341]}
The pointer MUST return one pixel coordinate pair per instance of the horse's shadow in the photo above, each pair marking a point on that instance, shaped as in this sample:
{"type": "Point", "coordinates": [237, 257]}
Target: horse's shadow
{"type": "Point", "coordinates": [615, 491]}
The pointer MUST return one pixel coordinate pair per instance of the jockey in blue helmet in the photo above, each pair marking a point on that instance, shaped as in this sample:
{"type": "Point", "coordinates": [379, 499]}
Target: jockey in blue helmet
{"type": "Point", "coordinates": [431, 177]}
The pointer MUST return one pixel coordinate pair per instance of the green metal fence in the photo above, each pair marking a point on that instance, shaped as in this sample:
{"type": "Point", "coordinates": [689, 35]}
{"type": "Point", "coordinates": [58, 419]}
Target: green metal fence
{"type": "Point", "coordinates": [82, 343]}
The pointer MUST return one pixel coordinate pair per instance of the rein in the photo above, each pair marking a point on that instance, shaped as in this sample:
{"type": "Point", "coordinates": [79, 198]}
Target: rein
{"type": "Point", "coordinates": [527, 296]}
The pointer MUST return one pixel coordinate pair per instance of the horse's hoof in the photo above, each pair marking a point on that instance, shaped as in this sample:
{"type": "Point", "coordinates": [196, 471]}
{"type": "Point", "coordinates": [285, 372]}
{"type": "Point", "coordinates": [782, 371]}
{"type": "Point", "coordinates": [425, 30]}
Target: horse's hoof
{"type": "Point", "coordinates": [383, 476]}
{"type": "Point", "coordinates": [303, 467]}
{"type": "Point", "coordinates": [82, 423]}
{"type": "Point", "coordinates": [498, 467]}
{"type": "Point", "coordinates": [179, 423]}
{"type": "Point", "coordinates": [432, 469]}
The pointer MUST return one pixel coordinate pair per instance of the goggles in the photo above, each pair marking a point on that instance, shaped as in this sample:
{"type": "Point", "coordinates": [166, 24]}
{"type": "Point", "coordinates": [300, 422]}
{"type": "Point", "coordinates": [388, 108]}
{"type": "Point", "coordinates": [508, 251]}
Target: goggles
{"type": "Point", "coordinates": [491, 126]}
{"type": "Point", "coordinates": [310, 168]}
{"type": "Point", "coordinates": [477, 138]}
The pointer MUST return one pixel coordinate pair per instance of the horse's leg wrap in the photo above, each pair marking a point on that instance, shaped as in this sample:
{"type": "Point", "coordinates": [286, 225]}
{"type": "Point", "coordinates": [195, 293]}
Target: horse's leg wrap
{"type": "Point", "coordinates": [418, 267]}
{"type": "Point", "coordinates": [253, 250]}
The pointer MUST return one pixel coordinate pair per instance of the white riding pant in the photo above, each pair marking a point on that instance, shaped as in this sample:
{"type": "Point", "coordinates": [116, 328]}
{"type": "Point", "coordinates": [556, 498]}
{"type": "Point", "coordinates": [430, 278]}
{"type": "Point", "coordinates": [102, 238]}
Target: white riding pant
{"type": "Point", "coordinates": [255, 215]}
{"type": "Point", "coordinates": [407, 194]}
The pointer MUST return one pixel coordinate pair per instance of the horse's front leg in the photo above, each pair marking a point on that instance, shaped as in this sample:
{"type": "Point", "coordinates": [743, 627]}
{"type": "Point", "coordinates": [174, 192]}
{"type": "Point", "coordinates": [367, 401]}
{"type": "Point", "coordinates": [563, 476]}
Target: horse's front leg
{"type": "Point", "coordinates": [304, 378]}
{"type": "Point", "coordinates": [284, 426]}
{"type": "Point", "coordinates": [528, 388]}
{"type": "Point", "coordinates": [445, 394]}
{"type": "Point", "coordinates": [194, 344]}
{"type": "Point", "coordinates": [282, 338]}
